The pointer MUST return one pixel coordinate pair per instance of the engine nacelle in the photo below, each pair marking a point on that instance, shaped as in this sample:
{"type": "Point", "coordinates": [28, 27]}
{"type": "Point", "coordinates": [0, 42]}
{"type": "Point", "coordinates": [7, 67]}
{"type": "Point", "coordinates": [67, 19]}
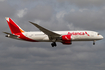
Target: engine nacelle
{"type": "Point", "coordinates": [66, 39]}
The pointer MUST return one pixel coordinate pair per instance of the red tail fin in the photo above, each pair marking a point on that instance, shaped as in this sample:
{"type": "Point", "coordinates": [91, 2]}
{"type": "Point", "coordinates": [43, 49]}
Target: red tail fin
{"type": "Point", "coordinates": [13, 26]}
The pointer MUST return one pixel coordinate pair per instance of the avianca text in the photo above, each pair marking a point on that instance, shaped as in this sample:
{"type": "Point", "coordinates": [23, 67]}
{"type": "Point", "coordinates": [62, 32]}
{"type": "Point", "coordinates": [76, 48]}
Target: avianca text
{"type": "Point", "coordinates": [78, 33]}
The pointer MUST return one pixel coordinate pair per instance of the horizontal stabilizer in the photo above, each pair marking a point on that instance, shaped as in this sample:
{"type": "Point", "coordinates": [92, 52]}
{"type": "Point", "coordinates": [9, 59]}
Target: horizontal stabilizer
{"type": "Point", "coordinates": [11, 35]}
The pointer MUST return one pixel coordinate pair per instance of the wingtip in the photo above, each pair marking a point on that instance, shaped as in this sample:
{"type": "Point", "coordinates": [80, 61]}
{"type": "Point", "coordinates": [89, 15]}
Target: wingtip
{"type": "Point", "coordinates": [31, 22]}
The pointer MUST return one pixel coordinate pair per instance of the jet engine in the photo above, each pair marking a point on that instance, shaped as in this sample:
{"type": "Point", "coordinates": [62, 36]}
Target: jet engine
{"type": "Point", "coordinates": [66, 39]}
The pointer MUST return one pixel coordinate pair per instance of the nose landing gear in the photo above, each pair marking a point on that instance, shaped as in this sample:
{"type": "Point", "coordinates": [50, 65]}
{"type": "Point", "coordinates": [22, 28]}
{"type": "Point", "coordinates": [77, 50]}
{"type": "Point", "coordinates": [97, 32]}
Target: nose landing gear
{"type": "Point", "coordinates": [93, 42]}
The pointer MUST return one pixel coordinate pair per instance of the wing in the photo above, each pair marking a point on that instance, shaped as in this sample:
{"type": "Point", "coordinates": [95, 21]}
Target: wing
{"type": "Point", "coordinates": [46, 31]}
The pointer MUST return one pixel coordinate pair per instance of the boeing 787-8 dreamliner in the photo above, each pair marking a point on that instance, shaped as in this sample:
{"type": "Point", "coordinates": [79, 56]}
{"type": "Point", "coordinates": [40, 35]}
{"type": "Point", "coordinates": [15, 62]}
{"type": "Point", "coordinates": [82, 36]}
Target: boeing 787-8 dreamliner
{"type": "Point", "coordinates": [65, 37]}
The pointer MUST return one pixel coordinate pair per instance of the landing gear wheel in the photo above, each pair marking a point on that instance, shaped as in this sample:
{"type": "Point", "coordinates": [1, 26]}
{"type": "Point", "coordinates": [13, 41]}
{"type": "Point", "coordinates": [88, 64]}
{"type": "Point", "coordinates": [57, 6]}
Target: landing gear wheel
{"type": "Point", "coordinates": [93, 43]}
{"type": "Point", "coordinates": [53, 44]}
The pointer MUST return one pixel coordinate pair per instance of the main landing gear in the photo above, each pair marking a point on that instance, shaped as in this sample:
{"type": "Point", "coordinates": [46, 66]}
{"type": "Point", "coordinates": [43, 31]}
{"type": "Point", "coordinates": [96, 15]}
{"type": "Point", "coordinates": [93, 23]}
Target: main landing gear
{"type": "Point", "coordinates": [53, 44]}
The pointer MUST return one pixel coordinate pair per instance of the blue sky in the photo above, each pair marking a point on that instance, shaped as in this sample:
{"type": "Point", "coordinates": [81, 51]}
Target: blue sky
{"type": "Point", "coordinates": [54, 15]}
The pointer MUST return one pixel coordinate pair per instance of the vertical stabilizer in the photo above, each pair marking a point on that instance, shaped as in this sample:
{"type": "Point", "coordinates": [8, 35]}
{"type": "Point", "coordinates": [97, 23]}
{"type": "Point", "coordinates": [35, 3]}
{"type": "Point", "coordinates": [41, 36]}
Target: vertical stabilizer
{"type": "Point", "coordinates": [13, 26]}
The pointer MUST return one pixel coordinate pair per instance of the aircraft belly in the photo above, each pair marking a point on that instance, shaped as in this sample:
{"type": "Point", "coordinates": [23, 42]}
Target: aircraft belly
{"type": "Point", "coordinates": [40, 38]}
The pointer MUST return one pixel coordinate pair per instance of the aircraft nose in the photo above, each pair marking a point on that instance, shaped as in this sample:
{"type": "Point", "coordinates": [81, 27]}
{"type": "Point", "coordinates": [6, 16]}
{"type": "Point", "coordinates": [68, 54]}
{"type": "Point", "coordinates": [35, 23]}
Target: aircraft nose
{"type": "Point", "coordinates": [101, 37]}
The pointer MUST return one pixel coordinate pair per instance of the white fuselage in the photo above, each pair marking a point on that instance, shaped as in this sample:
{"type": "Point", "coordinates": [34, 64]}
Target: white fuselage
{"type": "Point", "coordinates": [76, 35]}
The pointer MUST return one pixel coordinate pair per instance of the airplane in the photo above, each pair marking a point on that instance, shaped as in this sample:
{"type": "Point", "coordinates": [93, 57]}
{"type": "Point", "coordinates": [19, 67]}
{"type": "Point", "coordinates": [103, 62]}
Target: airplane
{"type": "Point", "coordinates": [45, 35]}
